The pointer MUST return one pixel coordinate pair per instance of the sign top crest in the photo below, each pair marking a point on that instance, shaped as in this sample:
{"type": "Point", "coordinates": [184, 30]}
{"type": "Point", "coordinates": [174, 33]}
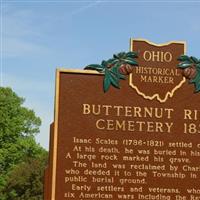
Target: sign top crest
{"type": "Point", "coordinates": [157, 76]}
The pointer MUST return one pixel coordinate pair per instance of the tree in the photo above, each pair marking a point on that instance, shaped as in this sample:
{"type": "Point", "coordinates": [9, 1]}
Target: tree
{"type": "Point", "coordinates": [18, 149]}
{"type": "Point", "coordinates": [25, 180]}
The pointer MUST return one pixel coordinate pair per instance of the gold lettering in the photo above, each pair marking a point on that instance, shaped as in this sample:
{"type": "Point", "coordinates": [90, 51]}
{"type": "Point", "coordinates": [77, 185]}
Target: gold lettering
{"type": "Point", "coordinates": [169, 112]}
{"type": "Point", "coordinates": [148, 112]}
{"type": "Point", "coordinates": [107, 107]}
{"type": "Point", "coordinates": [157, 56]}
{"type": "Point", "coordinates": [159, 127]}
{"type": "Point", "coordinates": [100, 124]}
{"type": "Point", "coordinates": [169, 126]}
{"type": "Point", "coordinates": [141, 124]}
{"type": "Point", "coordinates": [128, 111]}
{"type": "Point", "coordinates": [110, 125]}
{"type": "Point", "coordinates": [168, 57]}
{"type": "Point", "coordinates": [191, 114]}
{"type": "Point", "coordinates": [86, 109]}
{"type": "Point", "coordinates": [147, 55]}
{"type": "Point", "coordinates": [187, 114]}
{"type": "Point", "coordinates": [68, 156]}
{"type": "Point", "coordinates": [137, 111]}
{"type": "Point", "coordinates": [121, 126]}
{"type": "Point", "coordinates": [119, 108]}
{"type": "Point", "coordinates": [131, 126]}
{"type": "Point", "coordinates": [96, 111]}
{"type": "Point", "coordinates": [150, 127]}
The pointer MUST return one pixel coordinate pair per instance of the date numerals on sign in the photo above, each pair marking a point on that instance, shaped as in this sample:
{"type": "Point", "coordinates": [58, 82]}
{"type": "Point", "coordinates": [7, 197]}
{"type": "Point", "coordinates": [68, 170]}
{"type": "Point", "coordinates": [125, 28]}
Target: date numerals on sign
{"type": "Point", "coordinates": [191, 128]}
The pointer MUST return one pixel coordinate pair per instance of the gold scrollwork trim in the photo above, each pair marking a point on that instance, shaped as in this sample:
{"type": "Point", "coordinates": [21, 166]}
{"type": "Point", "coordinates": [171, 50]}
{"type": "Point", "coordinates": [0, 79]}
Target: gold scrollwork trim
{"type": "Point", "coordinates": [156, 96]}
{"type": "Point", "coordinates": [158, 45]}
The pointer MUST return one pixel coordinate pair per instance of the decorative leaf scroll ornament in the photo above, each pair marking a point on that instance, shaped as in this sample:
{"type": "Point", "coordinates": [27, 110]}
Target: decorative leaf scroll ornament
{"type": "Point", "coordinates": [191, 70]}
{"type": "Point", "coordinates": [115, 68]}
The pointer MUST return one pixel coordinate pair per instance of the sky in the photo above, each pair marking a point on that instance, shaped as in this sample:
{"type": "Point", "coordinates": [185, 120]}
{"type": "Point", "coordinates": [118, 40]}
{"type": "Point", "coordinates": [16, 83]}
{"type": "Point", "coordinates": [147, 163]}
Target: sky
{"type": "Point", "coordinates": [38, 36]}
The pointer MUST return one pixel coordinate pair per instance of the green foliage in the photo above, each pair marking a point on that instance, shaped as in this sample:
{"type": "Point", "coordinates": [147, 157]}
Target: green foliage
{"type": "Point", "coordinates": [188, 62]}
{"type": "Point", "coordinates": [110, 68]}
{"type": "Point", "coordinates": [15, 121]}
{"type": "Point", "coordinates": [25, 180]}
{"type": "Point", "coordinates": [17, 125]}
{"type": "Point", "coordinates": [18, 149]}
{"type": "Point", "coordinates": [196, 79]}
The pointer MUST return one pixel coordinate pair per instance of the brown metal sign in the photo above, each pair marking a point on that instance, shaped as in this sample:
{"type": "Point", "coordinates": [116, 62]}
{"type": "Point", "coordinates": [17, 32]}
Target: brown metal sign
{"type": "Point", "coordinates": [127, 143]}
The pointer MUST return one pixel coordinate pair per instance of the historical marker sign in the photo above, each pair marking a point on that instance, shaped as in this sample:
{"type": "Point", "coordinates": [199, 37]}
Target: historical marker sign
{"type": "Point", "coordinates": [139, 142]}
{"type": "Point", "coordinates": [157, 69]}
